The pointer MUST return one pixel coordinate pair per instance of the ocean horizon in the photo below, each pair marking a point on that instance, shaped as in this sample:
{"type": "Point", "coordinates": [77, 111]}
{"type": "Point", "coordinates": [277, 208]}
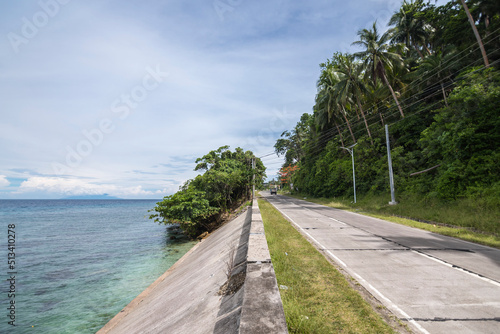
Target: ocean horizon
{"type": "Point", "coordinates": [77, 262]}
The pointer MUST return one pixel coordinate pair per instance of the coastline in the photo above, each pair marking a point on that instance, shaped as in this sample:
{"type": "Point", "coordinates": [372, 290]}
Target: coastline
{"type": "Point", "coordinates": [192, 296]}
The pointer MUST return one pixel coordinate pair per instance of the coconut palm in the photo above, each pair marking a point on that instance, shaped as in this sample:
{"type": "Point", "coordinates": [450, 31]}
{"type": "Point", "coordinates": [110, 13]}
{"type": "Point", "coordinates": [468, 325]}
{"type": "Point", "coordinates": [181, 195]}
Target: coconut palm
{"type": "Point", "coordinates": [377, 56]}
{"type": "Point", "coordinates": [327, 100]}
{"type": "Point", "coordinates": [488, 8]}
{"type": "Point", "coordinates": [351, 83]}
{"type": "Point", "coordinates": [410, 28]}
{"type": "Point", "coordinates": [375, 96]}
{"type": "Point", "coordinates": [323, 119]}
{"type": "Point", "coordinates": [439, 68]}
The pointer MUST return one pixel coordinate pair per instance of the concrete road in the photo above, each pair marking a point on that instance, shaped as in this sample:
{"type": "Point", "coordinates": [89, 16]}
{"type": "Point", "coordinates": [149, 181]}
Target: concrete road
{"type": "Point", "coordinates": [434, 283]}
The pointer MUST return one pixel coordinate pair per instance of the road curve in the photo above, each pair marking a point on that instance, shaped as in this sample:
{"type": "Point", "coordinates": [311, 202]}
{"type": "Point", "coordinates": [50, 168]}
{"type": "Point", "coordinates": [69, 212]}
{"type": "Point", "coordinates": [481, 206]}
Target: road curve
{"type": "Point", "coordinates": [435, 283]}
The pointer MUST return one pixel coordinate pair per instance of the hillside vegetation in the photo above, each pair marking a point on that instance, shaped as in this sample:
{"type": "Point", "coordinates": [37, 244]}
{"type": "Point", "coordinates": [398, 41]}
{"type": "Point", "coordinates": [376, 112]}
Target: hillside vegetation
{"type": "Point", "coordinates": [427, 79]}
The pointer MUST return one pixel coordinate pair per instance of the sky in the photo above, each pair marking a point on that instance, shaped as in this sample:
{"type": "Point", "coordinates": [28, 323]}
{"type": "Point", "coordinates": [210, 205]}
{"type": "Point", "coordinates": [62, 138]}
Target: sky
{"type": "Point", "coordinates": [120, 97]}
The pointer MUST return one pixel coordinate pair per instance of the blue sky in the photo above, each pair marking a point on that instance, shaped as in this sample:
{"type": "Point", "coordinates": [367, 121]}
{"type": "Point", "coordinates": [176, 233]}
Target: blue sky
{"type": "Point", "coordinates": [120, 97]}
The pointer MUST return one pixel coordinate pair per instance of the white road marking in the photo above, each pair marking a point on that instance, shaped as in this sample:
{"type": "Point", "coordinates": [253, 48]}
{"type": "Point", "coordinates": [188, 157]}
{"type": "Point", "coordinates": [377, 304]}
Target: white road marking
{"type": "Point", "coordinates": [486, 279]}
{"type": "Point", "coordinates": [338, 221]}
{"type": "Point", "coordinates": [387, 300]}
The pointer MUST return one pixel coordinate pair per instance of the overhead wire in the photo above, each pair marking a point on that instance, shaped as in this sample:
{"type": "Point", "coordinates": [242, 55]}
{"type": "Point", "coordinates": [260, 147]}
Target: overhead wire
{"type": "Point", "coordinates": [334, 131]}
{"type": "Point", "coordinates": [329, 134]}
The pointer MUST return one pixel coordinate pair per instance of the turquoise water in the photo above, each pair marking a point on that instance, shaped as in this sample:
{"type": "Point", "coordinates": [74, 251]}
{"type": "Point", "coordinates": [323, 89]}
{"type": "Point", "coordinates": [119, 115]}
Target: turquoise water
{"type": "Point", "coordinates": [79, 262]}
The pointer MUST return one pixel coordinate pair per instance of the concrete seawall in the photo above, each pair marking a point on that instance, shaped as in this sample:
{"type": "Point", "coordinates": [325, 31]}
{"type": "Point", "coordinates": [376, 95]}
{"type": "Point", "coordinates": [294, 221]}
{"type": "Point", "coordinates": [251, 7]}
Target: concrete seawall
{"type": "Point", "coordinates": [188, 297]}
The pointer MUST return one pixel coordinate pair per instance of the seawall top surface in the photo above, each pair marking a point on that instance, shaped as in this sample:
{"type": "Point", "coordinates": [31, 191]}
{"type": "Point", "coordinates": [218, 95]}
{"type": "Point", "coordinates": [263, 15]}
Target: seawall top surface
{"type": "Point", "coordinates": [186, 298]}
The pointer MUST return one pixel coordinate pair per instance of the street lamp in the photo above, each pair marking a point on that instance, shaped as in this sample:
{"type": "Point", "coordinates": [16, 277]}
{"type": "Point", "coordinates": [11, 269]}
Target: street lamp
{"type": "Point", "coordinates": [350, 150]}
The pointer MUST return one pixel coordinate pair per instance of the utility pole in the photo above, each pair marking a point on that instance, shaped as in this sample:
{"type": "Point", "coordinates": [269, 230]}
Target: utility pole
{"type": "Point", "coordinates": [351, 151]}
{"type": "Point", "coordinates": [253, 180]}
{"type": "Point", "coordinates": [391, 176]}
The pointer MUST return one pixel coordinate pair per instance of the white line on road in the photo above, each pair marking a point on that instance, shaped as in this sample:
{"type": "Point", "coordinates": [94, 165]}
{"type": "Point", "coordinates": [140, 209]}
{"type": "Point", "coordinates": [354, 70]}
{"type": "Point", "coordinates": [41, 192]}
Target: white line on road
{"type": "Point", "coordinates": [338, 221]}
{"type": "Point", "coordinates": [473, 274]}
{"type": "Point", "coordinates": [387, 300]}
{"type": "Point", "coordinates": [486, 279]}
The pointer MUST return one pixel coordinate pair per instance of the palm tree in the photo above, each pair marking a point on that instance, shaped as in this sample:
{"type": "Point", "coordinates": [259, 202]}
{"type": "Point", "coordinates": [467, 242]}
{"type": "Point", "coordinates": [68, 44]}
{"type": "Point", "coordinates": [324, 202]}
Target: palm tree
{"type": "Point", "coordinates": [488, 8]}
{"type": "Point", "coordinates": [437, 68]}
{"type": "Point", "coordinates": [326, 100]}
{"type": "Point", "coordinates": [350, 83]}
{"type": "Point", "coordinates": [377, 56]}
{"type": "Point", "coordinates": [410, 28]}
{"type": "Point", "coordinates": [375, 95]}
{"type": "Point", "coordinates": [323, 119]}
{"type": "Point", "coordinates": [476, 33]}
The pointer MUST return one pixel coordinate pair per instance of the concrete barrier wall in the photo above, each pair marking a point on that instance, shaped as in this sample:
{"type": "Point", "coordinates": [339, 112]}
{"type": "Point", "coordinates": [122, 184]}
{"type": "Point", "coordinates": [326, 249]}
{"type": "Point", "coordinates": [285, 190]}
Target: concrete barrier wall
{"type": "Point", "coordinates": [186, 299]}
{"type": "Point", "coordinates": [262, 309]}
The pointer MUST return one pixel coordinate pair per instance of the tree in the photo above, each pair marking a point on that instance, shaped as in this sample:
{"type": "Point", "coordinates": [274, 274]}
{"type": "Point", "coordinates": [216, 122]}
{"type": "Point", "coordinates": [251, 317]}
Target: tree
{"type": "Point", "coordinates": [488, 8]}
{"type": "Point", "coordinates": [286, 173]}
{"type": "Point", "coordinates": [377, 56]}
{"type": "Point", "coordinates": [326, 99]}
{"type": "Point", "coordinates": [410, 27]}
{"type": "Point", "coordinates": [291, 142]}
{"type": "Point", "coordinates": [476, 33]}
{"type": "Point", "coordinates": [190, 208]}
{"type": "Point", "coordinates": [200, 204]}
{"type": "Point", "coordinates": [437, 68]}
{"type": "Point", "coordinates": [350, 83]}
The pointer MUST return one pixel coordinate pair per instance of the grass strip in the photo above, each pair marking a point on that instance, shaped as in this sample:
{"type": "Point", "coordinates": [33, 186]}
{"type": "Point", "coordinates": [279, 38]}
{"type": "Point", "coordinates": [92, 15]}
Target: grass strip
{"type": "Point", "coordinates": [457, 213]}
{"type": "Point", "coordinates": [316, 297]}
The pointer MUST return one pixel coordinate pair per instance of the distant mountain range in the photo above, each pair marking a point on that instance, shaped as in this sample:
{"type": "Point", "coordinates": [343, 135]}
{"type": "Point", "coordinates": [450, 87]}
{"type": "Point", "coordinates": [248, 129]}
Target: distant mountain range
{"type": "Point", "coordinates": [103, 196]}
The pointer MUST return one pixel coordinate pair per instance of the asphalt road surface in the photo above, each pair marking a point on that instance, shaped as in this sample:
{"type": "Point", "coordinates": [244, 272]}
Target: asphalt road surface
{"type": "Point", "coordinates": [434, 283]}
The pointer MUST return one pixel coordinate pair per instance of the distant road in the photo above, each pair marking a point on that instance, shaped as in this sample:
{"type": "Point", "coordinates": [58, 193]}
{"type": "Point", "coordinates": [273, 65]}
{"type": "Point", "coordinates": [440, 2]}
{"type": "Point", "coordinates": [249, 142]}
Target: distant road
{"type": "Point", "coordinates": [435, 283]}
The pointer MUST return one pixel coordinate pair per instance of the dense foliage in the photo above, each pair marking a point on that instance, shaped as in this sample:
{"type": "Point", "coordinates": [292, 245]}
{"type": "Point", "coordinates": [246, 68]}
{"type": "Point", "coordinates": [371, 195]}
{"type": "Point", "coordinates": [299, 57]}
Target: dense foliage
{"type": "Point", "coordinates": [200, 204]}
{"type": "Point", "coordinates": [427, 79]}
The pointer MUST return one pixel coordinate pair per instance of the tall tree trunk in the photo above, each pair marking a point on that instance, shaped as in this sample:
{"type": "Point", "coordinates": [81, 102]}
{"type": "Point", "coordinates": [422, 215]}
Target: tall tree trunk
{"type": "Point", "coordinates": [427, 49]}
{"type": "Point", "coordinates": [381, 119]}
{"type": "Point", "coordinates": [357, 112]}
{"type": "Point", "coordinates": [419, 52]}
{"type": "Point", "coordinates": [476, 33]}
{"type": "Point", "coordinates": [348, 125]}
{"type": "Point", "coordinates": [366, 123]}
{"type": "Point", "coordinates": [444, 94]}
{"type": "Point", "coordinates": [340, 133]}
{"type": "Point", "coordinates": [393, 94]}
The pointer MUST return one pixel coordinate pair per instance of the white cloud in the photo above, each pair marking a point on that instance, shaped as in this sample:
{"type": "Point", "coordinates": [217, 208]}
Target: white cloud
{"type": "Point", "coordinates": [229, 81]}
{"type": "Point", "coordinates": [3, 181]}
{"type": "Point", "coordinates": [71, 187]}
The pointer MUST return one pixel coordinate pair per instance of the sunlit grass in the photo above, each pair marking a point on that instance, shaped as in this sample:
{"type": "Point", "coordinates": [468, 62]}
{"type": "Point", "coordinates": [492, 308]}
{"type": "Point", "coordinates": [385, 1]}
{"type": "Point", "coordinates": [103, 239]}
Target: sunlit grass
{"type": "Point", "coordinates": [316, 297]}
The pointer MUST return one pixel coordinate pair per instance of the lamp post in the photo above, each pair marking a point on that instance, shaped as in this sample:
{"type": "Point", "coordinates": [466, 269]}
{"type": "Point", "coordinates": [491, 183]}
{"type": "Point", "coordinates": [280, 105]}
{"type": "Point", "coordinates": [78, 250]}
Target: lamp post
{"type": "Point", "coordinates": [350, 150]}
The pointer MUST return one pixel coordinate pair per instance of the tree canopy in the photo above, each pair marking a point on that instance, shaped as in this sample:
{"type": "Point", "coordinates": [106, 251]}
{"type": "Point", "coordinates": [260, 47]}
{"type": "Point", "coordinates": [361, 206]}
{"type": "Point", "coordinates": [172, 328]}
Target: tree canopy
{"type": "Point", "coordinates": [200, 203]}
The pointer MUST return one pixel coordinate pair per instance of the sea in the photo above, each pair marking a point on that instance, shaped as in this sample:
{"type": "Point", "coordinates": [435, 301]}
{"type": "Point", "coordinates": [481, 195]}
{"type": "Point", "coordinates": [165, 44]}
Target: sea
{"type": "Point", "coordinates": [69, 266]}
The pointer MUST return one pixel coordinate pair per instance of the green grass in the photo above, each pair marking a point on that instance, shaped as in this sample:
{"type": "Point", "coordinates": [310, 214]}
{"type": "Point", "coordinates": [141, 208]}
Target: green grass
{"type": "Point", "coordinates": [472, 220]}
{"type": "Point", "coordinates": [317, 298]}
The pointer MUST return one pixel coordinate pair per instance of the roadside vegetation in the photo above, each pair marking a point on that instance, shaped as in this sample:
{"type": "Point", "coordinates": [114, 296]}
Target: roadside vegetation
{"type": "Point", "coordinates": [203, 203]}
{"type": "Point", "coordinates": [316, 297]}
{"type": "Point", "coordinates": [427, 79]}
